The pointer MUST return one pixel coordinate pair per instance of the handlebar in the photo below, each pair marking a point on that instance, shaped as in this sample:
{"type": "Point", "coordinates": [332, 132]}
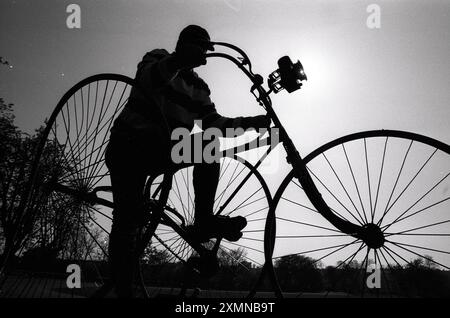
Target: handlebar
{"type": "Point", "coordinates": [244, 64]}
{"type": "Point", "coordinates": [261, 94]}
{"type": "Point", "coordinates": [288, 76]}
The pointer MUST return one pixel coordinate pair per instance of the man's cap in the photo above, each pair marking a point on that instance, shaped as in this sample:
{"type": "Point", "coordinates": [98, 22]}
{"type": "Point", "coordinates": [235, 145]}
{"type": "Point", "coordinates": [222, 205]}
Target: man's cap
{"type": "Point", "coordinates": [196, 34]}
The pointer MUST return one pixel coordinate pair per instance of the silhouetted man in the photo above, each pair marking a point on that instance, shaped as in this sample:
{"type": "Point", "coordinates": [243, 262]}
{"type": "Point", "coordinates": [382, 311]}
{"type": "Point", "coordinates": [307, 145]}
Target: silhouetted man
{"type": "Point", "coordinates": [139, 147]}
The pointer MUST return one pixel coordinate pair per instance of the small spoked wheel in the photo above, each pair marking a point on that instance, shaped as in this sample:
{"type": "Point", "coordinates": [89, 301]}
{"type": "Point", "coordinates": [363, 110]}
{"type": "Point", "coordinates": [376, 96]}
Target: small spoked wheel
{"type": "Point", "coordinates": [395, 185]}
{"type": "Point", "coordinates": [170, 265]}
{"type": "Point", "coordinates": [68, 216]}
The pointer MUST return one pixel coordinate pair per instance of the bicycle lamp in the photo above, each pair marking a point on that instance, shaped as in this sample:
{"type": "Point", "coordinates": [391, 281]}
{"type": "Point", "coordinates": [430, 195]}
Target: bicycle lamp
{"type": "Point", "coordinates": [288, 76]}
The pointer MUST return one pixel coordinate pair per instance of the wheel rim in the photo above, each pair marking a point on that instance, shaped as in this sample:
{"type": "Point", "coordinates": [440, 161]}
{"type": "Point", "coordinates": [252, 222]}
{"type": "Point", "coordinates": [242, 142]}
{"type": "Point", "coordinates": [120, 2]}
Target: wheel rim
{"type": "Point", "coordinates": [391, 182]}
{"type": "Point", "coordinates": [241, 262]}
{"type": "Point", "coordinates": [69, 224]}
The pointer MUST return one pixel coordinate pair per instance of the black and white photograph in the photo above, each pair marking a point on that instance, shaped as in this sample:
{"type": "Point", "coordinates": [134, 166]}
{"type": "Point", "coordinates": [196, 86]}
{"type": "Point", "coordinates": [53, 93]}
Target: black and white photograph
{"type": "Point", "coordinates": [211, 156]}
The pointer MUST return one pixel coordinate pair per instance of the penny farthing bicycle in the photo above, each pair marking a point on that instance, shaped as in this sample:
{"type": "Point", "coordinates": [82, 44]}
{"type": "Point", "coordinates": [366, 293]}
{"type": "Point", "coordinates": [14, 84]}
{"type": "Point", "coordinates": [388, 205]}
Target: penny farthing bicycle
{"type": "Point", "coordinates": [370, 200]}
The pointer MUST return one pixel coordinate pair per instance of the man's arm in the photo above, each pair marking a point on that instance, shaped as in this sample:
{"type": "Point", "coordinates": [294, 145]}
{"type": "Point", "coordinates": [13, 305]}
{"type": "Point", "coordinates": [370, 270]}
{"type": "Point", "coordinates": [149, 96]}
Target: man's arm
{"type": "Point", "coordinates": [213, 119]}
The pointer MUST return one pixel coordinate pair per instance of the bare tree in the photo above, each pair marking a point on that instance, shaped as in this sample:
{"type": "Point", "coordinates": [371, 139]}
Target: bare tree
{"type": "Point", "coordinates": [232, 258]}
{"type": "Point", "coordinates": [429, 263]}
{"type": "Point", "coordinates": [154, 256]}
{"type": "Point", "coordinates": [43, 221]}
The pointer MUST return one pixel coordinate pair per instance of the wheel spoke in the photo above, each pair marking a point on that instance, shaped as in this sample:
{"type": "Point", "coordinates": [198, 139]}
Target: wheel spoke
{"type": "Point", "coordinates": [409, 183]}
{"type": "Point", "coordinates": [356, 186]}
{"type": "Point", "coordinates": [180, 198]}
{"type": "Point", "coordinates": [72, 162]}
{"type": "Point", "coordinates": [380, 176]}
{"type": "Point", "coordinates": [246, 247]}
{"type": "Point", "coordinates": [189, 197]}
{"type": "Point", "coordinates": [368, 181]}
{"type": "Point", "coordinates": [104, 140]}
{"type": "Point", "coordinates": [236, 190]}
{"type": "Point", "coordinates": [219, 196]}
{"type": "Point", "coordinates": [418, 234]}
{"type": "Point", "coordinates": [421, 256]}
{"type": "Point", "coordinates": [337, 250]}
{"type": "Point", "coordinates": [319, 249]}
{"type": "Point", "coordinates": [242, 205]}
{"type": "Point", "coordinates": [299, 204]}
{"type": "Point", "coordinates": [399, 256]}
{"type": "Point", "coordinates": [247, 258]}
{"type": "Point", "coordinates": [419, 247]}
{"type": "Point", "coordinates": [421, 210]}
{"type": "Point", "coordinates": [101, 213]}
{"type": "Point", "coordinates": [396, 181]}
{"type": "Point", "coordinates": [251, 239]}
{"type": "Point", "coordinates": [343, 188]}
{"type": "Point", "coordinates": [420, 199]}
{"type": "Point", "coordinates": [422, 227]}
{"type": "Point", "coordinates": [351, 257]}
{"type": "Point", "coordinates": [254, 212]}
{"type": "Point", "coordinates": [100, 116]}
{"type": "Point", "coordinates": [89, 136]}
{"type": "Point", "coordinates": [309, 236]}
{"type": "Point", "coordinates": [311, 209]}
{"type": "Point", "coordinates": [222, 194]}
{"type": "Point", "coordinates": [307, 224]}
{"type": "Point", "coordinates": [328, 190]}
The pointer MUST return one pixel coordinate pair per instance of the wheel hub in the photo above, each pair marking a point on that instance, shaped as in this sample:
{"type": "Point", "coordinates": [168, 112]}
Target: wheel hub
{"type": "Point", "coordinates": [372, 236]}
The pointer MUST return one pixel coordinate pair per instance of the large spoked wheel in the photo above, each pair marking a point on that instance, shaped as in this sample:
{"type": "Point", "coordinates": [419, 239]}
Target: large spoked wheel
{"type": "Point", "coordinates": [170, 265]}
{"type": "Point", "coordinates": [394, 183]}
{"type": "Point", "coordinates": [69, 212]}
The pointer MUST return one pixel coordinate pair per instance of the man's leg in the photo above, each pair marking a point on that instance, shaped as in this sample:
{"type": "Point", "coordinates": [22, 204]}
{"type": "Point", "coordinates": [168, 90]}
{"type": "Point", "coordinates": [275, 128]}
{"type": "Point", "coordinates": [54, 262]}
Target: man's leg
{"type": "Point", "coordinates": [128, 182]}
{"type": "Point", "coordinates": [205, 180]}
{"type": "Point", "coordinates": [127, 216]}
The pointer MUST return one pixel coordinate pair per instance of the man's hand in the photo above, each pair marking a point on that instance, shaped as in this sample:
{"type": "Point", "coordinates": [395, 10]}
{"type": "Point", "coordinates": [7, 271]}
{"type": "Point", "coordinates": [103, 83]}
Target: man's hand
{"type": "Point", "coordinates": [256, 122]}
{"type": "Point", "coordinates": [190, 55]}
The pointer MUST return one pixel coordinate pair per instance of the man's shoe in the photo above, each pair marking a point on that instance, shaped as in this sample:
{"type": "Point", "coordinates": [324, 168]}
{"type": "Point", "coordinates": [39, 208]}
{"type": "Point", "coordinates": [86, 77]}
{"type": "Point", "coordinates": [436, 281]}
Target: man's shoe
{"type": "Point", "coordinates": [218, 226]}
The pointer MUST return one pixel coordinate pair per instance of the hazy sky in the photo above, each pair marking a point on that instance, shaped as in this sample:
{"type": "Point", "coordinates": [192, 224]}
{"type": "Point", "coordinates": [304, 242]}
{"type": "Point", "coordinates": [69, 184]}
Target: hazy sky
{"type": "Point", "coordinates": [395, 77]}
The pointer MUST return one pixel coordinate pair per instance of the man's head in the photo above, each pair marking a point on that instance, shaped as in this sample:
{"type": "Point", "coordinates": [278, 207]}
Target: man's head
{"type": "Point", "coordinates": [194, 34]}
